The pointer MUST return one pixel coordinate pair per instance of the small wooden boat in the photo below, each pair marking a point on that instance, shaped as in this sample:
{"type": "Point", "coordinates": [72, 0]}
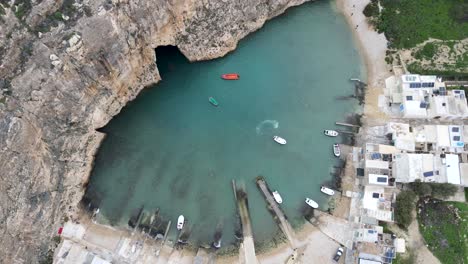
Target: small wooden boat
{"type": "Point", "coordinates": [230, 76]}
{"type": "Point", "coordinates": [277, 197]}
{"type": "Point", "coordinates": [331, 133]}
{"type": "Point", "coordinates": [180, 222]}
{"type": "Point", "coordinates": [311, 203]}
{"type": "Point", "coordinates": [327, 190]}
{"type": "Point", "coordinates": [279, 140]}
{"type": "Point", "coordinates": [336, 150]}
{"type": "Point", "coordinates": [213, 101]}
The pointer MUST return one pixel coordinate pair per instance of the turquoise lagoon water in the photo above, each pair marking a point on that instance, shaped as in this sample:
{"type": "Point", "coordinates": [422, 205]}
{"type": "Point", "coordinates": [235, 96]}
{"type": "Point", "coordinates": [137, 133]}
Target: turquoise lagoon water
{"type": "Point", "coordinates": [171, 149]}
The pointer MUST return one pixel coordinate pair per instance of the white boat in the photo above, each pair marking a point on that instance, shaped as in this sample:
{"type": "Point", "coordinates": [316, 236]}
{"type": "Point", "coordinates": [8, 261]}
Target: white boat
{"type": "Point", "coordinates": [311, 203]}
{"type": "Point", "coordinates": [180, 222]}
{"type": "Point", "coordinates": [279, 140]}
{"type": "Point", "coordinates": [336, 150]}
{"type": "Point", "coordinates": [277, 197]}
{"type": "Point", "coordinates": [331, 133]}
{"type": "Point", "coordinates": [327, 190]}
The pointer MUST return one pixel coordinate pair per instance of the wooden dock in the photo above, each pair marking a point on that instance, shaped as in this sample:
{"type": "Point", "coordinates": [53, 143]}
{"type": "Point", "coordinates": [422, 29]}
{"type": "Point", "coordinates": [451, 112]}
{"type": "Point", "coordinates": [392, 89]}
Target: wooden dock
{"type": "Point", "coordinates": [274, 207]}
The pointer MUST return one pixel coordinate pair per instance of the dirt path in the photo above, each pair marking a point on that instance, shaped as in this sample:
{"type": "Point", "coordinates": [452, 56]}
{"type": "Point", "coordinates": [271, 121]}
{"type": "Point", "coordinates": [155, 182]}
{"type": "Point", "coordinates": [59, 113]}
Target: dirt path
{"type": "Point", "coordinates": [415, 242]}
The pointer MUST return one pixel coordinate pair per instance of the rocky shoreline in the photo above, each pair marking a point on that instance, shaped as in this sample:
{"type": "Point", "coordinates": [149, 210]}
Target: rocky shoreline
{"type": "Point", "coordinates": [66, 69]}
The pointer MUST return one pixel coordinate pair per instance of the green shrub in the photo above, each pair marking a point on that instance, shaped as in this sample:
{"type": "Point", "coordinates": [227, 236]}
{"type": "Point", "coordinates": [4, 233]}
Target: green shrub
{"type": "Point", "coordinates": [404, 207]}
{"type": "Point", "coordinates": [433, 189]}
{"type": "Point", "coordinates": [443, 190]}
{"type": "Point", "coordinates": [371, 9]}
{"type": "Point", "coordinates": [422, 189]}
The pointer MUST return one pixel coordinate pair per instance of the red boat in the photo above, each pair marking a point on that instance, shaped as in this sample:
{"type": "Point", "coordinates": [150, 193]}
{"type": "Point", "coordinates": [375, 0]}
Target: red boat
{"type": "Point", "coordinates": [230, 76]}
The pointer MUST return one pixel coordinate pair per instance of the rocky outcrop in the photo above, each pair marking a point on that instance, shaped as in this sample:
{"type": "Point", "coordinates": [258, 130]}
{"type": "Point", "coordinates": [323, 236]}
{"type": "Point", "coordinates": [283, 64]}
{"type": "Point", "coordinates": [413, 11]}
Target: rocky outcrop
{"type": "Point", "coordinates": [67, 67]}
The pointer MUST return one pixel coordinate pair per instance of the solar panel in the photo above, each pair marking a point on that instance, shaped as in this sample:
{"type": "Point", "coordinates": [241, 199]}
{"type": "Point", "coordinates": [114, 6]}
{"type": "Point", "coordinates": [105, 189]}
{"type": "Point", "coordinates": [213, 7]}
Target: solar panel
{"type": "Point", "coordinates": [455, 129]}
{"type": "Point", "coordinates": [428, 173]}
{"type": "Point", "coordinates": [381, 179]}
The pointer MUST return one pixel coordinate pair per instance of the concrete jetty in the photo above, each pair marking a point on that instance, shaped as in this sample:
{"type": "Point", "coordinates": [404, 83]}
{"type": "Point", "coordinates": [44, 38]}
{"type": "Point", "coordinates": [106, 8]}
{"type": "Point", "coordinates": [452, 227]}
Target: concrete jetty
{"type": "Point", "coordinates": [345, 124]}
{"type": "Point", "coordinates": [276, 210]}
{"type": "Point", "coordinates": [247, 247]}
{"type": "Point", "coordinates": [336, 228]}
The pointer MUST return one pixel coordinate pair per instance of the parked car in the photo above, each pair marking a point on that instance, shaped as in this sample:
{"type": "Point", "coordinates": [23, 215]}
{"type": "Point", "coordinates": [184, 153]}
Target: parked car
{"type": "Point", "coordinates": [338, 254]}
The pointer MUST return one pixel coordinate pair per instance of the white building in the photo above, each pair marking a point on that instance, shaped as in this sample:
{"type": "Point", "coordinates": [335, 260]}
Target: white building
{"type": "Point", "coordinates": [443, 168]}
{"type": "Point", "coordinates": [425, 96]}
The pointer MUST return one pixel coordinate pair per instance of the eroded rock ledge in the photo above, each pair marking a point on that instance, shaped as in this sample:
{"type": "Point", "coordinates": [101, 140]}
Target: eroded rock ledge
{"type": "Point", "coordinates": [67, 67]}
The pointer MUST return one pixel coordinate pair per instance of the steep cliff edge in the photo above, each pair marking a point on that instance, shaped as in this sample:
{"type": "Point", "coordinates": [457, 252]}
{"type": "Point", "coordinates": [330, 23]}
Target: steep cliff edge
{"type": "Point", "coordinates": [67, 67]}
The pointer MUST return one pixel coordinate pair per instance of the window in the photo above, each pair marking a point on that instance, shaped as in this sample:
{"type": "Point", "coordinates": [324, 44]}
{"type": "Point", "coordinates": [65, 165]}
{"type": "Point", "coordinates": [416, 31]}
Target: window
{"type": "Point", "coordinates": [409, 98]}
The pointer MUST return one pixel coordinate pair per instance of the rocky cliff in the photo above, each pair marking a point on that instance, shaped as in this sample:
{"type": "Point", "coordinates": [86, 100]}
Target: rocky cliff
{"type": "Point", "coordinates": [67, 67]}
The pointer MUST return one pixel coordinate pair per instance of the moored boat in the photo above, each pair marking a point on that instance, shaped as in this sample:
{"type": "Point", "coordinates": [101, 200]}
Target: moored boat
{"type": "Point", "coordinates": [336, 150]}
{"type": "Point", "coordinates": [230, 76]}
{"type": "Point", "coordinates": [213, 101]}
{"type": "Point", "coordinates": [277, 197]}
{"type": "Point", "coordinates": [331, 133]}
{"type": "Point", "coordinates": [327, 190]}
{"type": "Point", "coordinates": [311, 203]}
{"type": "Point", "coordinates": [180, 222]}
{"type": "Point", "coordinates": [279, 140]}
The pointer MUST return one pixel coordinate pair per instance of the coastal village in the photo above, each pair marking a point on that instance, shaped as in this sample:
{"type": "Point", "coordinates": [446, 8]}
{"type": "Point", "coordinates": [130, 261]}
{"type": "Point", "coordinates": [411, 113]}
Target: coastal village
{"type": "Point", "coordinates": [403, 165]}
{"type": "Point", "coordinates": [420, 137]}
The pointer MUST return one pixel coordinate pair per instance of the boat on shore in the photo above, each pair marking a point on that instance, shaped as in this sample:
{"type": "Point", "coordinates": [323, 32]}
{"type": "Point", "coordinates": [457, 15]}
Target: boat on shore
{"type": "Point", "coordinates": [311, 203]}
{"type": "Point", "coordinates": [277, 197]}
{"type": "Point", "coordinates": [331, 133]}
{"type": "Point", "coordinates": [336, 150]}
{"type": "Point", "coordinates": [213, 101]}
{"type": "Point", "coordinates": [279, 140]}
{"type": "Point", "coordinates": [180, 222]}
{"type": "Point", "coordinates": [230, 76]}
{"type": "Point", "coordinates": [327, 190]}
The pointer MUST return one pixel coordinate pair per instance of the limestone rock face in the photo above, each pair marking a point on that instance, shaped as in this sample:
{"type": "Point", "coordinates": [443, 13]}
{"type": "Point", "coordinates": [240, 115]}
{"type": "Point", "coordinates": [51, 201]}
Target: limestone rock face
{"type": "Point", "coordinates": [67, 67]}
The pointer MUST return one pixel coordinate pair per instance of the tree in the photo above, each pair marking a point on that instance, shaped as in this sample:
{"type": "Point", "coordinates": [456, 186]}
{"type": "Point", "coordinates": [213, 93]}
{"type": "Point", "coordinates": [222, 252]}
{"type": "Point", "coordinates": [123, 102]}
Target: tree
{"type": "Point", "coordinates": [422, 189]}
{"type": "Point", "coordinates": [443, 190]}
{"type": "Point", "coordinates": [404, 207]}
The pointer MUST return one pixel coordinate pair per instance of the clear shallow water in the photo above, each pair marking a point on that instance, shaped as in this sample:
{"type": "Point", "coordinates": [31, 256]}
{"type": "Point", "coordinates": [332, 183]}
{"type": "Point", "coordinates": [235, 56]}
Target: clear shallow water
{"type": "Point", "coordinates": [171, 149]}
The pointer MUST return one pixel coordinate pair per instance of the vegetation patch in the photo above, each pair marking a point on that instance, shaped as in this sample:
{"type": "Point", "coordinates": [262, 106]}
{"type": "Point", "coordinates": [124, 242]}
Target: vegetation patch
{"type": "Point", "coordinates": [407, 23]}
{"type": "Point", "coordinates": [405, 202]}
{"type": "Point", "coordinates": [444, 227]}
{"type": "Point", "coordinates": [433, 189]}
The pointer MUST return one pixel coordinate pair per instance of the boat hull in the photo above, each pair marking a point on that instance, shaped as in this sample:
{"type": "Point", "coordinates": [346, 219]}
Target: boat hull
{"type": "Point", "coordinates": [336, 150]}
{"type": "Point", "coordinates": [279, 140]}
{"type": "Point", "coordinates": [331, 133]}
{"type": "Point", "coordinates": [230, 76]}
{"type": "Point", "coordinates": [180, 222]}
{"type": "Point", "coordinates": [213, 101]}
{"type": "Point", "coordinates": [311, 203]}
{"type": "Point", "coordinates": [327, 191]}
{"type": "Point", "coordinates": [277, 197]}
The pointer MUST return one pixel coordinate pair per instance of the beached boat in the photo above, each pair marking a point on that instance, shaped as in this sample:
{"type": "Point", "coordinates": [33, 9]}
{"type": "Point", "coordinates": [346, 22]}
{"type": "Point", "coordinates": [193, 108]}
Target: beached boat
{"type": "Point", "coordinates": [311, 203]}
{"type": "Point", "coordinates": [230, 76]}
{"type": "Point", "coordinates": [180, 222]}
{"type": "Point", "coordinates": [331, 133]}
{"type": "Point", "coordinates": [217, 244]}
{"type": "Point", "coordinates": [277, 197]}
{"type": "Point", "coordinates": [279, 140]}
{"type": "Point", "coordinates": [336, 150]}
{"type": "Point", "coordinates": [327, 190]}
{"type": "Point", "coordinates": [213, 101]}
